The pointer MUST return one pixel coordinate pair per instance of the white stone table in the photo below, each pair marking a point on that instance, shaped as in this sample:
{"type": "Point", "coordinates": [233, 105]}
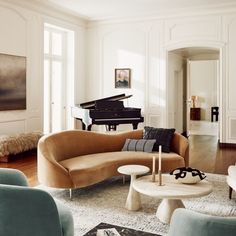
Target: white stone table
{"type": "Point", "coordinates": [133, 201]}
{"type": "Point", "coordinates": [171, 192]}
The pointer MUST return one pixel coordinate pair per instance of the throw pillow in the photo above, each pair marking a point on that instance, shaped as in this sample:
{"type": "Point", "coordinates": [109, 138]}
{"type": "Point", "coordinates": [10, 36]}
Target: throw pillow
{"type": "Point", "coordinates": [139, 145]}
{"type": "Point", "coordinates": [163, 137]}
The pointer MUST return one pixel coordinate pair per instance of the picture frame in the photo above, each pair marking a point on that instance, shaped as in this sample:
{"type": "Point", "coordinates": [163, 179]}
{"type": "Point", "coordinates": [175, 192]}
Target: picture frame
{"type": "Point", "coordinates": [12, 82]}
{"type": "Point", "coordinates": [122, 78]}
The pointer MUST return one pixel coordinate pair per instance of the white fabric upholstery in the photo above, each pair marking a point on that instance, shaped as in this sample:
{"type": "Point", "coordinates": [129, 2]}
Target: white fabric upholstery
{"type": "Point", "coordinates": [232, 172]}
{"type": "Point", "coordinates": [231, 178]}
{"type": "Point", "coordinates": [231, 182]}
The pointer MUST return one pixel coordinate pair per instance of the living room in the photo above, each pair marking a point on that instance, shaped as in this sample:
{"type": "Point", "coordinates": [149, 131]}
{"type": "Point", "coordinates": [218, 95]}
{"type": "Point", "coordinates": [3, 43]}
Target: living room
{"type": "Point", "coordinates": [74, 52]}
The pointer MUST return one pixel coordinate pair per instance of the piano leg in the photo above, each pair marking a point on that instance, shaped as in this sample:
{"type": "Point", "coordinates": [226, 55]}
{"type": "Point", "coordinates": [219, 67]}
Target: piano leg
{"type": "Point", "coordinates": [83, 126]}
{"type": "Point", "coordinates": [89, 127]}
{"type": "Point", "coordinates": [135, 125]}
{"type": "Point", "coordinates": [82, 123]}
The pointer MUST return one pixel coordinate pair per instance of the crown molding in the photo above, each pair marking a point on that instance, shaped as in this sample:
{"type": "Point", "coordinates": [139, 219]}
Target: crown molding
{"type": "Point", "coordinates": [49, 10]}
{"type": "Point", "coordinates": [46, 8]}
{"type": "Point", "coordinates": [166, 15]}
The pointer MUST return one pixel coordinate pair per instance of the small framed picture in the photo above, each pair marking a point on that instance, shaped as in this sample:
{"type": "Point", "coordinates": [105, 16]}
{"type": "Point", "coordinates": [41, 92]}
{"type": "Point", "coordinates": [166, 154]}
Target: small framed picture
{"type": "Point", "coordinates": [123, 78]}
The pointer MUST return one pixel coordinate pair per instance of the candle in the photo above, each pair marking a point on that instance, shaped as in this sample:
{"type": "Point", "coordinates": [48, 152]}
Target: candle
{"type": "Point", "coordinates": [153, 164]}
{"type": "Point", "coordinates": [159, 157]}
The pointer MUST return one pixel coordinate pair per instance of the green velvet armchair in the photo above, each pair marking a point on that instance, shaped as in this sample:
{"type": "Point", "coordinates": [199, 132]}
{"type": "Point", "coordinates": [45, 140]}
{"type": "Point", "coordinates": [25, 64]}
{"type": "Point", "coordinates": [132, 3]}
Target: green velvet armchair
{"type": "Point", "coordinates": [26, 211]}
{"type": "Point", "coordinates": [189, 223]}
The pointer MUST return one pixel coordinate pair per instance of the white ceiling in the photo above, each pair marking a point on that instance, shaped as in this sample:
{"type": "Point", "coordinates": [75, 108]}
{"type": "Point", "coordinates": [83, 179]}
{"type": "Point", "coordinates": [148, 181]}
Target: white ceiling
{"type": "Point", "coordinates": [110, 9]}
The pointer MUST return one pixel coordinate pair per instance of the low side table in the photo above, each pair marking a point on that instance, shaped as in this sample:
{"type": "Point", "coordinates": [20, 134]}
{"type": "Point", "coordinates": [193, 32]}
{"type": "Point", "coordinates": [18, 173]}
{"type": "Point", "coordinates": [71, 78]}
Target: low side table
{"type": "Point", "coordinates": [172, 193]}
{"type": "Point", "coordinates": [133, 202]}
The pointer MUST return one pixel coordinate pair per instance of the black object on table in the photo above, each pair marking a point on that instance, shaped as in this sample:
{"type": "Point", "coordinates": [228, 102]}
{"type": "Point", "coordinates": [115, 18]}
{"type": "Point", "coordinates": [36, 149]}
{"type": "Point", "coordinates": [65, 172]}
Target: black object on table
{"type": "Point", "coordinates": [121, 230]}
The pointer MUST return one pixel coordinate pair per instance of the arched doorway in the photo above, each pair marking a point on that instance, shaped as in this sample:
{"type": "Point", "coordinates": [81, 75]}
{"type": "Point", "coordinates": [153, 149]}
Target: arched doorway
{"type": "Point", "coordinates": [203, 148]}
{"type": "Point", "coordinates": [185, 52]}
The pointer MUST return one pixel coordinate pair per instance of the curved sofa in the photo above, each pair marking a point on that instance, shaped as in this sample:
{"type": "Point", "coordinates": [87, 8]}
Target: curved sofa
{"type": "Point", "coordinates": [77, 158]}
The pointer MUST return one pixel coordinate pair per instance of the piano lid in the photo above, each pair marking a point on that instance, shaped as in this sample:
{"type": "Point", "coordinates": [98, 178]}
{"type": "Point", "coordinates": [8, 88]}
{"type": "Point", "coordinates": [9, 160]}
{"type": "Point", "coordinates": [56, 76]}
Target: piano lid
{"type": "Point", "coordinates": [91, 104]}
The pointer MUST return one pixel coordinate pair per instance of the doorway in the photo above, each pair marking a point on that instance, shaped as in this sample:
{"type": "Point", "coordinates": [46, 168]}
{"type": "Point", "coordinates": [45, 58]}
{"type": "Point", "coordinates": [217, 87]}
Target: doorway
{"type": "Point", "coordinates": [193, 90]}
{"type": "Point", "coordinates": [203, 89]}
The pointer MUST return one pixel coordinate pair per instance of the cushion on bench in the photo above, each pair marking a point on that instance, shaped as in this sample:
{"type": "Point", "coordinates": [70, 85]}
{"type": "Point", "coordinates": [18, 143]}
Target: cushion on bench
{"type": "Point", "coordinates": [14, 144]}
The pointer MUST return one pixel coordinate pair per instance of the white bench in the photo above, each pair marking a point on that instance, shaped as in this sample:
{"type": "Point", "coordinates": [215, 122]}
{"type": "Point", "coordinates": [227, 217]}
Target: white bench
{"type": "Point", "coordinates": [14, 144]}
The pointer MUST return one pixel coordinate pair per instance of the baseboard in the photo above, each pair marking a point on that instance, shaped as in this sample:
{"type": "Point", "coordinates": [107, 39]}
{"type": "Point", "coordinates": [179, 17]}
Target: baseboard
{"type": "Point", "coordinates": [227, 145]}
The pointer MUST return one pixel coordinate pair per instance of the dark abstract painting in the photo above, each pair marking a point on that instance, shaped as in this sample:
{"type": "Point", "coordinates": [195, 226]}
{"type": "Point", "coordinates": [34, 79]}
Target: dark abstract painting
{"type": "Point", "coordinates": [12, 82]}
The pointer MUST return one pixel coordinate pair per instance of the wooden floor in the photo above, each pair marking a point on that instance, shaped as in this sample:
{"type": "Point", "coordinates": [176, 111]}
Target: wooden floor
{"type": "Point", "coordinates": [27, 163]}
{"type": "Point", "coordinates": [205, 155]}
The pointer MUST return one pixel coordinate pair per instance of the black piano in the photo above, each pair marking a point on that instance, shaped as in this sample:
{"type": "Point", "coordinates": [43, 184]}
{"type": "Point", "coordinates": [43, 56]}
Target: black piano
{"type": "Point", "coordinates": [109, 111]}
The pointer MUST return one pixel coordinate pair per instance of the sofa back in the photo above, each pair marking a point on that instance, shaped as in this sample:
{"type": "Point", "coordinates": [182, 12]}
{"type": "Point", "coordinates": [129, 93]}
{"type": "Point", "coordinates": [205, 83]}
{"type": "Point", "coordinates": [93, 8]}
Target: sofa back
{"type": "Point", "coordinates": [180, 146]}
{"type": "Point", "coordinates": [67, 144]}
{"type": "Point", "coordinates": [72, 143]}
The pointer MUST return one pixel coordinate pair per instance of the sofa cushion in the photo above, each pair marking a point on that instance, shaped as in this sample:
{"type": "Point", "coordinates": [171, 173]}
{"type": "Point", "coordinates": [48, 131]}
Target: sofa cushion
{"type": "Point", "coordinates": [163, 137]}
{"type": "Point", "coordinates": [89, 169]}
{"type": "Point", "coordinates": [142, 145]}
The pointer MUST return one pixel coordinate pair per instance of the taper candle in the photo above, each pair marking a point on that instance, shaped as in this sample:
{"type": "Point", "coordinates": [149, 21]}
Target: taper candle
{"type": "Point", "coordinates": [159, 157]}
{"type": "Point", "coordinates": [153, 164]}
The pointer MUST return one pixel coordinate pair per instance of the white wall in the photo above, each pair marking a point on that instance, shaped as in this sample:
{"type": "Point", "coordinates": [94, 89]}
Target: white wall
{"type": "Point", "coordinates": [145, 44]}
{"type": "Point", "coordinates": [22, 34]}
{"type": "Point", "coordinates": [128, 45]}
{"type": "Point", "coordinates": [203, 83]}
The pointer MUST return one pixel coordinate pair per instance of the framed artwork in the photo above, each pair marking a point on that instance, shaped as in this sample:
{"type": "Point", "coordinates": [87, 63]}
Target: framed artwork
{"type": "Point", "coordinates": [123, 78]}
{"type": "Point", "coordinates": [12, 82]}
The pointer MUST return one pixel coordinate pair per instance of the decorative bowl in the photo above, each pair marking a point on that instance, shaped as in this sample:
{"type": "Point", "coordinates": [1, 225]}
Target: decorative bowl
{"type": "Point", "coordinates": [188, 175]}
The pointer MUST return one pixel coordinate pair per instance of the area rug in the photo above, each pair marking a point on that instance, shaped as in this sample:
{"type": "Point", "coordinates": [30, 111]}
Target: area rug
{"type": "Point", "coordinates": [104, 202]}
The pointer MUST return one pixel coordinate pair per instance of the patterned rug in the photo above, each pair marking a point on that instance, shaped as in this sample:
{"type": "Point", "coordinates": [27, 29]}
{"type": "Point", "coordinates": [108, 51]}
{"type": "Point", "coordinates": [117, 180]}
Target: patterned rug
{"type": "Point", "coordinates": [104, 202]}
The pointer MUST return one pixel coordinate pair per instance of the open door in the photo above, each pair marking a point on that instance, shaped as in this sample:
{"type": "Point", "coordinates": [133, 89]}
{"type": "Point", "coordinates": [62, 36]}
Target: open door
{"type": "Point", "coordinates": [187, 100]}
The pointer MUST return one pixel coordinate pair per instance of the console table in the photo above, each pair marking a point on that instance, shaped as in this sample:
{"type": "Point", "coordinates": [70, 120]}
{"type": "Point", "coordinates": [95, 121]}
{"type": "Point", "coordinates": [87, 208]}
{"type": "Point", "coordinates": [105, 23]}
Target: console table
{"type": "Point", "coordinates": [195, 113]}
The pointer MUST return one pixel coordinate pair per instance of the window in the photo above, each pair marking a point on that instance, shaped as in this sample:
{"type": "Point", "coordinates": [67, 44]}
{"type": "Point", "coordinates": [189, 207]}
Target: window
{"type": "Point", "coordinates": [58, 79]}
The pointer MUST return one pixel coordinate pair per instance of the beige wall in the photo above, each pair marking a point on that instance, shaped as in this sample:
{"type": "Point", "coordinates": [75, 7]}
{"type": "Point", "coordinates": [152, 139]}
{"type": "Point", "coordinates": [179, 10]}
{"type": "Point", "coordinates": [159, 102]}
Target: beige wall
{"type": "Point", "coordinates": [203, 83]}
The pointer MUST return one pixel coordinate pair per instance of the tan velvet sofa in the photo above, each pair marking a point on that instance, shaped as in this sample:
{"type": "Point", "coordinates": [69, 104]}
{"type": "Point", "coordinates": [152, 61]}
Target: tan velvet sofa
{"type": "Point", "coordinates": [76, 158]}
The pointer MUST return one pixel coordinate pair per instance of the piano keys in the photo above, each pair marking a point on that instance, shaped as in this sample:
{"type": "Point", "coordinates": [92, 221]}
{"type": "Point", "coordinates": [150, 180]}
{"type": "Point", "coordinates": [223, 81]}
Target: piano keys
{"type": "Point", "coordinates": [109, 111]}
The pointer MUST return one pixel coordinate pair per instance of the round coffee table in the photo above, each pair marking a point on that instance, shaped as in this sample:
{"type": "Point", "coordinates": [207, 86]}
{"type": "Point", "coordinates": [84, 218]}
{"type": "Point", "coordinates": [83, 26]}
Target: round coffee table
{"type": "Point", "coordinates": [171, 192]}
{"type": "Point", "coordinates": [133, 202]}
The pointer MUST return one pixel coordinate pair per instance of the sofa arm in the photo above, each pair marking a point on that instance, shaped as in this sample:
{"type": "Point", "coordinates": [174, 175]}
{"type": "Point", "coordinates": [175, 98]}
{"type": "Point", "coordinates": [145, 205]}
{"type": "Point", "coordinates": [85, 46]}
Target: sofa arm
{"type": "Point", "coordinates": [50, 172]}
{"type": "Point", "coordinates": [12, 177]}
{"type": "Point", "coordinates": [27, 211]}
{"type": "Point", "coordinates": [180, 145]}
{"type": "Point", "coordinates": [186, 222]}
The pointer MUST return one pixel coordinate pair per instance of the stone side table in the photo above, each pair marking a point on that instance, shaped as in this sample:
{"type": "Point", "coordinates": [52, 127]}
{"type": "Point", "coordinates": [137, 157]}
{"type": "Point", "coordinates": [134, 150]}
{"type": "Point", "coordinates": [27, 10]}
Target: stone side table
{"type": "Point", "coordinates": [172, 193]}
{"type": "Point", "coordinates": [133, 202]}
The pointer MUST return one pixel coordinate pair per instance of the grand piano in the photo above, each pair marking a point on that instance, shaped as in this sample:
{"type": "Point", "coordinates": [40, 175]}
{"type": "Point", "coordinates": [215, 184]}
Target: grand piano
{"type": "Point", "coordinates": [109, 111]}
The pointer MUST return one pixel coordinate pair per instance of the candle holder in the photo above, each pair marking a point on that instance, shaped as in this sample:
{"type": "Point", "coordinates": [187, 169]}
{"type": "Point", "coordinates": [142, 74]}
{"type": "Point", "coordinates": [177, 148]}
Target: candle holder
{"type": "Point", "coordinates": [153, 177]}
{"type": "Point", "coordinates": [160, 178]}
